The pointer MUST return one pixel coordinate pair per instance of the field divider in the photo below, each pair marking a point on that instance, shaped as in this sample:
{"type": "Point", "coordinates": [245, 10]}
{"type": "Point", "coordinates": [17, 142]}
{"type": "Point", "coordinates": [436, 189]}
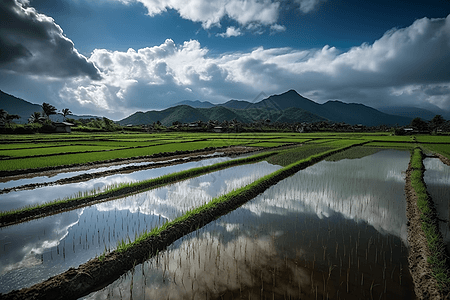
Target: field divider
{"type": "Point", "coordinates": [125, 189]}
{"type": "Point", "coordinates": [428, 260]}
{"type": "Point", "coordinates": [103, 270]}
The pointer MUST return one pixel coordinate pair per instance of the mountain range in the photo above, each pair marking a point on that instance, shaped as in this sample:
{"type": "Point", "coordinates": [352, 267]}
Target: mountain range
{"type": "Point", "coordinates": [286, 107]}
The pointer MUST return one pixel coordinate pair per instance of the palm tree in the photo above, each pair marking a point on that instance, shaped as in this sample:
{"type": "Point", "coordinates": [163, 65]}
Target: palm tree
{"type": "Point", "coordinates": [6, 118]}
{"type": "Point", "coordinates": [48, 109]}
{"type": "Point", "coordinates": [34, 118]}
{"type": "Point", "coordinates": [66, 112]}
{"type": "Point", "coordinates": [3, 114]}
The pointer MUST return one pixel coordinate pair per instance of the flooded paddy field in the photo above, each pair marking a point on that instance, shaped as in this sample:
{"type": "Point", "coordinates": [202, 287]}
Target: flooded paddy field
{"type": "Point", "coordinates": [33, 251]}
{"type": "Point", "coordinates": [335, 230]}
{"type": "Point", "coordinates": [437, 179]}
{"type": "Point", "coordinates": [17, 199]}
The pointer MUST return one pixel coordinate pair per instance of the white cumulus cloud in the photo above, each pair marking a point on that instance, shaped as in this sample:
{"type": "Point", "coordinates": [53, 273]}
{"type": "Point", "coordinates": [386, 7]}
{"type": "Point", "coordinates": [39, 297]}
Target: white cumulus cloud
{"type": "Point", "coordinates": [231, 31]}
{"type": "Point", "coordinates": [405, 66]}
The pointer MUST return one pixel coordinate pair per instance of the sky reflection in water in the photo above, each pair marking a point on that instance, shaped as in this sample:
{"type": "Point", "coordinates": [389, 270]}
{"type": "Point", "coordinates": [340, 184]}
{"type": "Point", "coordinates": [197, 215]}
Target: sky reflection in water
{"type": "Point", "coordinates": [33, 251]}
{"type": "Point", "coordinates": [19, 199]}
{"type": "Point", "coordinates": [437, 179]}
{"type": "Point", "coordinates": [331, 218]}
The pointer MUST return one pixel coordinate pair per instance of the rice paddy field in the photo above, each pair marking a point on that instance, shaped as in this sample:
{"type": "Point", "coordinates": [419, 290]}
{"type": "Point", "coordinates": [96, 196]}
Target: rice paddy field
{"type": "Point", "coordinates": [324, 215]}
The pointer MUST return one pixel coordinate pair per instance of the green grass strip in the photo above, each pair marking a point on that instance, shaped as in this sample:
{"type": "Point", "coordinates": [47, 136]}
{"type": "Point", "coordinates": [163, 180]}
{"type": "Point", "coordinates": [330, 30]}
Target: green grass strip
{"type": "Point", "coordinates": [114, 191]}
{"type": "Point", "coordinates": [438, 258]}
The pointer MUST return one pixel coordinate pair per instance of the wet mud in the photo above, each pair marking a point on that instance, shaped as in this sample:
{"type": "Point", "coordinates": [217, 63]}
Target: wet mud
{"type": "Point", "coordinates": [444, 159]}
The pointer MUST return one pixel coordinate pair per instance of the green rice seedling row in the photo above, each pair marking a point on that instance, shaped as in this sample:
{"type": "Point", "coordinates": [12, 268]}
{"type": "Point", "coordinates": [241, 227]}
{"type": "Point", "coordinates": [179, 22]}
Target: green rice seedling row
{"type": "Point", "coordinates": [333, 230]}
{"type": "Point", "coordinates": [437, 258]}
{"type": "Point", "coordinates": [116, 190]}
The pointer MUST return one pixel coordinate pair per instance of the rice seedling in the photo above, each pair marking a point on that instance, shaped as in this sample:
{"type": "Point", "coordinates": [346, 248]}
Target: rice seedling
{"type": "Point", "coordinates": [112, 191]}
{"type": "Point", "coordinates": [438, 258]}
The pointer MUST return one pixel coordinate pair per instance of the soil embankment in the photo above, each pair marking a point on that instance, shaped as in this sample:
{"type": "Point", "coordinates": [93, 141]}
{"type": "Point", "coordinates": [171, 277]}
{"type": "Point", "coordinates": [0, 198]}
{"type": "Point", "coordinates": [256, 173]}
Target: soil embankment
{"type": "Point", "coordinates": [444, 159]}
{"type": "Point", "coordinates": [425, 284]}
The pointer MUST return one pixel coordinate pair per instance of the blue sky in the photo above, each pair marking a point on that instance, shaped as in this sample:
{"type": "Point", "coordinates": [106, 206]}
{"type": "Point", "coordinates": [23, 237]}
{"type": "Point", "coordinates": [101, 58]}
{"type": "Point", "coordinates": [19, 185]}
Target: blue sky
{"type": "Point", "coordinates": [114, 57]}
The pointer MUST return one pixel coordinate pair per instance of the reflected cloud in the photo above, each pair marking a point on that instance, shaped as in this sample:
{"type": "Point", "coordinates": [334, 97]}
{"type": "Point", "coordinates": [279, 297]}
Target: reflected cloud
{"type": "Point", "coordinates": [18, 199]}
{"type": "Point", "coordinates": [205, 266]}
{"type": "Point", "coordinates": [369, 189]}
{"type": "Point", "coordinates": [437, 179]}
{"type": "Point", "coordinates": [173, 200]}
{"type": "Point", "coordinates": [86, 232]}
{"type": "Point", "coordinates": [22, 245]}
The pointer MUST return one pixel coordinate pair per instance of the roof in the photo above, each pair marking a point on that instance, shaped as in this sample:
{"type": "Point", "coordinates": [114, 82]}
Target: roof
{"type": "Point", "coordinates": [63, 124]}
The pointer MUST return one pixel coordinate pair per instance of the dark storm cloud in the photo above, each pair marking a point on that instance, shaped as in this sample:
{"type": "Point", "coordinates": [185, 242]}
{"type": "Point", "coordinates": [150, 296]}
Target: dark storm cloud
{"type": "Point", "coordinates": [32, 43]}
{"type": "Point", "coordinates": [437, 91]}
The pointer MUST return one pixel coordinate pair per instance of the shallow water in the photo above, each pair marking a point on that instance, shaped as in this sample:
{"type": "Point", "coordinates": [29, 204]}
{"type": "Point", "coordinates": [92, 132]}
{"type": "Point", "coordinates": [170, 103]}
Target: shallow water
{"type": "Point", "coordinates": [5, 183]}
{"type": "Point", "coordinates": [333, 230]}
{"type": "Point", "coordinates": [17, 199]}
{"type": "Point", "coordinates": [437, 179]}
{"type": "Point", "coordinates": [33, 251]}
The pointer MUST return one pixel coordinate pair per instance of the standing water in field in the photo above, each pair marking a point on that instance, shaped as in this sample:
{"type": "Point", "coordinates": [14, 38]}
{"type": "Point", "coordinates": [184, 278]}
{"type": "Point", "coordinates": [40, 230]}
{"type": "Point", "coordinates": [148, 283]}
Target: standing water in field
{"type": "Point", "coordinates": [334, 230]}
{"type": "Point", "coordinates": [437, 179]}
{"type": "Point", "coordinates": [33, 251]}
{"type": "Point", "coordinates": [63, 174]}
{"type": "Point", "coordinates": [14, 200]}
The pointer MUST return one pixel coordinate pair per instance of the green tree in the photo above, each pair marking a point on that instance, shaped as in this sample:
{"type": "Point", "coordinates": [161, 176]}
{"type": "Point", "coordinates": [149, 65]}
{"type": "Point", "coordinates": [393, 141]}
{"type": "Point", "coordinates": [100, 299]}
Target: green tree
{"type": "Point", "coordinates": [419, 124]}
{"type": "Point", "coordinates": [109, 124]}
{"type": "Point", "coordinates": [6, 118]}
{"type": "Point", "coordinates": [66, 112]}
{"type": "Point", "coordinates": [34, 118]}
{"type": "Point", "coordinates": [48, 109]}
{"type": "Point", "coordinates": [3, 114]}
{"type": "Point", "coordinates": [437, 122]}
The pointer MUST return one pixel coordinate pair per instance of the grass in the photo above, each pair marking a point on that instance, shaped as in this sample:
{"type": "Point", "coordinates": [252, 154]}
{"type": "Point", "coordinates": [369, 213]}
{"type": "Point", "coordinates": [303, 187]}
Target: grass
{"type": "Point", "coordinates": [292, 155]}
{"type": "Point", "coordinates": [353, 153]}
{"type": "Point", "coordinates": [393, 145]}
{"type": "Point", "coordinates": [438, 259]}
{"type": "Point", "coordinates": [82, 158]}
{"type": "Point", "coordinates": [267, 144]}
{"type": "Point", "coordinates": [433, 139]}
{"type": "Point", "coordinates": [127, 188]}
{"type": "Point", "coordinates": [443, 149]}
{"type": "Point", "coordinates": [54, 150]}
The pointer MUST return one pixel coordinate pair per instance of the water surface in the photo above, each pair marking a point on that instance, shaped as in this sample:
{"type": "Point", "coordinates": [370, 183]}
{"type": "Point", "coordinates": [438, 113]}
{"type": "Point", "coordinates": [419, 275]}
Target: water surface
{"type": "Point", "coordinates": [437, 179]}
{"type": "Point", "coordinates": [33, 251]}
{"type": "Point", "coordinates": [17, 199]}
{"type": "Point", "coordinates": [334, 230]}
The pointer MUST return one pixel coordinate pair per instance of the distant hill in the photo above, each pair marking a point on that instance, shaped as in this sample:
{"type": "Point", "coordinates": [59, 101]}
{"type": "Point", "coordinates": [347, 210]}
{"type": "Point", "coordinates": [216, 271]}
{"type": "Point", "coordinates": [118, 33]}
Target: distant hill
{"type": "Point", "coordinates": [409, 112]}
{"type": "Point", "coordinates": [236, 104]}
{"type": "Point", "coordinates": [195, 104]}
{"type": "Point", "coordinates": [187, 114]}
{"type": "Point", "coordinates": [335, 111]}
{"type": "Point", "coordinates": [286, 107]}
{"type": "Point", "coordinates": [17, 106]}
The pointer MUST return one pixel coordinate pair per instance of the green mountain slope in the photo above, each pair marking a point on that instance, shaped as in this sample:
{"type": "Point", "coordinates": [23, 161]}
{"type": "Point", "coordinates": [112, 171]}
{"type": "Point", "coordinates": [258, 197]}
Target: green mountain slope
{"type": "Point", "coordinates": [187, 114]}
{"type": "Point", "coordinates": [17, 106]}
